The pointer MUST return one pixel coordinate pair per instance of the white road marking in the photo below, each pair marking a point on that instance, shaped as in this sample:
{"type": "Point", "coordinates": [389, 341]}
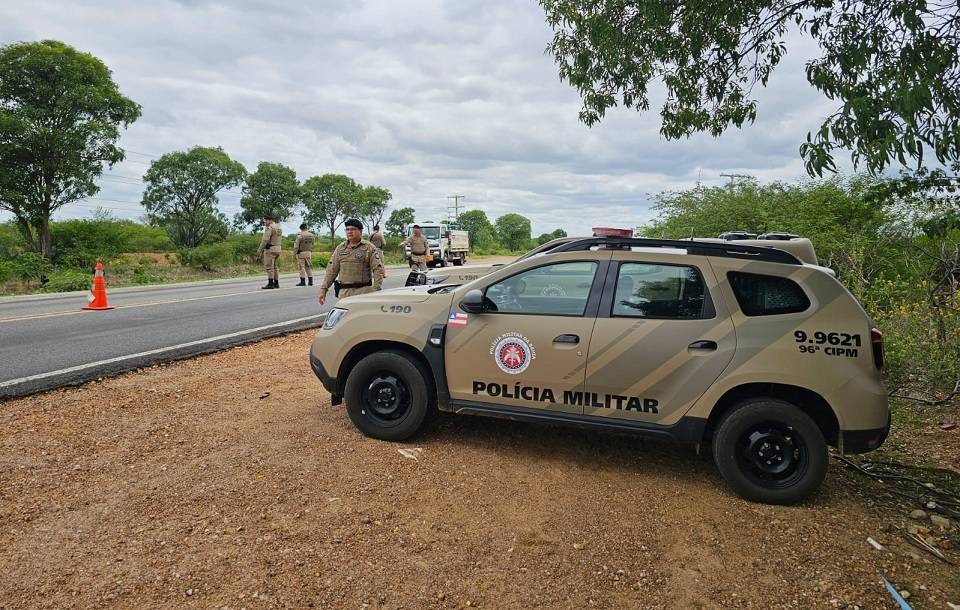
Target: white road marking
{"type": "Point", "coordinates": [82, 311]}
{"type": "Point", "coordinates": [161, 350]}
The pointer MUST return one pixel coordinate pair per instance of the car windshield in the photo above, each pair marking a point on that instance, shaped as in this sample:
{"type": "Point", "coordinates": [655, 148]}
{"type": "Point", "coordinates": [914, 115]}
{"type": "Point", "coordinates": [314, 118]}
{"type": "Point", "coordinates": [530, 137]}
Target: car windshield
{"type": "Point", "coordinates": [429, 232]}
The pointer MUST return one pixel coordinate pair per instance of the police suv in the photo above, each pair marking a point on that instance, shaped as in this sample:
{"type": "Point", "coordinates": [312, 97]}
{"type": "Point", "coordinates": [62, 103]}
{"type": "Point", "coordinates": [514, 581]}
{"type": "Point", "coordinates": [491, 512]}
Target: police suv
{"type": "Point", "coordinates": [746, 347]}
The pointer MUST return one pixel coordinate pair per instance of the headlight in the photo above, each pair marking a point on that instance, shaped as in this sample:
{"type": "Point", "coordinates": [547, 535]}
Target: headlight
{"type": "Point", "coordinates": [437, 279]}
{"type": "Point", "coordinates": [333, 317]}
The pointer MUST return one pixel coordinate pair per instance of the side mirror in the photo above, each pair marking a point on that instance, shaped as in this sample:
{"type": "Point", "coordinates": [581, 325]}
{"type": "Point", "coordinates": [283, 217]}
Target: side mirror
{"type": "Point", "coordinates": [475, 302]}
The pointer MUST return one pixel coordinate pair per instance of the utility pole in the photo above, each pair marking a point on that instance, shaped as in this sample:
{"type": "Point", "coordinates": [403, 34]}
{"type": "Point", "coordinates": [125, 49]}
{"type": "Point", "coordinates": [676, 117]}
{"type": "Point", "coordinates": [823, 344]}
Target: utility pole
{"type": "Point", "coordinates": [733, 176]}
{"type": "Point", "coordinates": [453, 211]}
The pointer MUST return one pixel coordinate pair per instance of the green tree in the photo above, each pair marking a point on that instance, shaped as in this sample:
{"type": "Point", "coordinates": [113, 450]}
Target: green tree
{"type": "Point", "coordinates": [482, 233]}
{"type": "Point", "coordinates": [398, 221]}
{"type": "Point", "coordinates": [835, 214]}
{"type": "Point", "coordinates": [372, 206]}
{"type": "Point", "coordinates": [513, 231]}
{"type": "Point", "coordinates": [181, 193]}
{"type": "Point", "coordinates": [555, 234]}
{"type": "Point", "coordinates": [892, 66]}
{"type": "Point", "coordinates": [60, 118]}
{"type": "Point", "coordinates": [329, 199]}
{"type": "Point", "coordinates": [272, 189]}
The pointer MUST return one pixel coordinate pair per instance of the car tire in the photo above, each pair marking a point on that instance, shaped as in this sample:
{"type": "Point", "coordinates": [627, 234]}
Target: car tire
{"type": "Point", "coordinates": [770, 451]}
{"type": "Point", "coordinates": [387, 396]}
{"type": "Point", "coordinates": [458, 262]}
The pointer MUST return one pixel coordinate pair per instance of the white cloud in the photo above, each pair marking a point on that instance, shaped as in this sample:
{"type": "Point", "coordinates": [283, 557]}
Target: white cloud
{"type": "Point", "coordinates": [427, 97]}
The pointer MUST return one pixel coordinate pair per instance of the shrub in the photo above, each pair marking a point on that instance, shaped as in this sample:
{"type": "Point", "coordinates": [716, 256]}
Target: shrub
{"type": "Point", "coordinates": [30, 266]}
{"type": "Point", "coordinates": [244, 247]}
{"type": "Point", "coordinates": [11, 242]}
{"type": "Point", "coordinates": [145, 238]}
{"type": "Point", "coordinates": [68, 281]}
{"type": "Point", "coordinates": [209, 257]}
{"type": "Point", "coordinates": [81, 243]}
{"type": "Point", "coordinates": [6, 270]}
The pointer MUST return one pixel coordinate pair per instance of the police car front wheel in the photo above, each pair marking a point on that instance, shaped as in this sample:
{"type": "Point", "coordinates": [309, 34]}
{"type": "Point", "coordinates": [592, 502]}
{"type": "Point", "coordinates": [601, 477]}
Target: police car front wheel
{"type": "Point", "coordinates": [387, 396]}
{"type": "Point", "coordinates": [770, 451]}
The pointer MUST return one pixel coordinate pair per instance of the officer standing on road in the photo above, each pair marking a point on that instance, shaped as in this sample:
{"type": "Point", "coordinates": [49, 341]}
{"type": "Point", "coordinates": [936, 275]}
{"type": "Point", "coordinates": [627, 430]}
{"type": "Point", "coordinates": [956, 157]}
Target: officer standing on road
{"type": "Point", "coordinates": [303, 250]}
{"type": "Point", "coordinates": [376, 238]}
{"type": "Point", "coordinates": [418, 249]}
{"type": "Point", "coordinates": [356, 265]}
{"type": "Point", "coordinates": [270, 249]}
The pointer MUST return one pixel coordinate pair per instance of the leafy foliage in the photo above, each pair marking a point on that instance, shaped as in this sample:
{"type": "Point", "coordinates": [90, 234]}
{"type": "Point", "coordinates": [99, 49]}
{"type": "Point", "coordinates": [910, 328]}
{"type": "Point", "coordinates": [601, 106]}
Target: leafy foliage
{"type": "Point", "coordinates": [272, 189]}
{"type": "Point", "coordinates": [398, 221]}
{"type": "Point", "coordinates": [81, 243]}
{"type": "Point", "coordinates": [555, 234]}
{"type": "Point", "coordinates": [30, 267]}
{"type": "Point", "coordinates": [513, 231]}
{"type": "Point", "coordinates": [60, 118]}
{"type": "Point", "coordinates": [372, 205]}
{"type": "Point", "coordinates": [908, 281]}
{"type": "Point", "coordinates": [181, 193]}
{"type": "Point", "coordinates": [482, 233]}
{"type": "Point", "coordinates": [68, 280]}
{"type": "Point", "coordinates": [329, 199]}
{"type": "Point", "coordinates": [893, 67]}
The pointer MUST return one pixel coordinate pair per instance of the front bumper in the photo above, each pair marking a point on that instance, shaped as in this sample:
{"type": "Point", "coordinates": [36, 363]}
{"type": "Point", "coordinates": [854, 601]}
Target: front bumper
{"type": "Point", "coordinates": [330, 383]}
{"type": "Point", "coordinates": [862, 441]}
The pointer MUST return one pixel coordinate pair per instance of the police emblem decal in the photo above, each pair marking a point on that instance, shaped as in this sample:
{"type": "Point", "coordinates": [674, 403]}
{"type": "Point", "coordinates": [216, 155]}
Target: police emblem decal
{"type": "Point", "coordinates": [513, 352]}
{"type": "Point", "coordinates": [359, 255]}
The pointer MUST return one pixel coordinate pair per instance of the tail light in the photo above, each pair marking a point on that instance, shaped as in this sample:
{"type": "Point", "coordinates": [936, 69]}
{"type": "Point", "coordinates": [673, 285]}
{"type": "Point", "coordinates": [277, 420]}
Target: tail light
{"type": "Point", "coordinates": [876, 341]}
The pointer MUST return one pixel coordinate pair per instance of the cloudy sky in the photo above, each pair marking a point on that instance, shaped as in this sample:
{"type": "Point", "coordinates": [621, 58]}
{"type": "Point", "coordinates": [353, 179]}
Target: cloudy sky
{"type": "Point", "coordinates": [428, 98]}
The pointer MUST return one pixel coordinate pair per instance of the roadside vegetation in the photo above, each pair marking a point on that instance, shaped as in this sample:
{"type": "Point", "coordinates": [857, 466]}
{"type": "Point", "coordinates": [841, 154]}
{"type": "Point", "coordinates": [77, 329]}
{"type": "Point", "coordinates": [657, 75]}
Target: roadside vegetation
{"type": "Point", "coordinates": [896, 249]}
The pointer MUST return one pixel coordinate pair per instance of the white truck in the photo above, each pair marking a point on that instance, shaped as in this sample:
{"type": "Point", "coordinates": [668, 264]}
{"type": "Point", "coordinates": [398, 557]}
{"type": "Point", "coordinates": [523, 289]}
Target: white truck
{"type": "Point", "coordinates": [448, 244]}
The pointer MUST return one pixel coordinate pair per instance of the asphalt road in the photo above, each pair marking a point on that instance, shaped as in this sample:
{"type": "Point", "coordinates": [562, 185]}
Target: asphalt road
{"type": "Point", "coordinates": [47, 340]}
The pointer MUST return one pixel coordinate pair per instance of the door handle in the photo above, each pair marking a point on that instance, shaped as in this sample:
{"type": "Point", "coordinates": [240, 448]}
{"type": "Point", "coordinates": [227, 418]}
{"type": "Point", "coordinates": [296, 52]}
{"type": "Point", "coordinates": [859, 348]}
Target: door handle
{"type": "Point", "coordinates": [704, 345]}
{"type": "Point", "coordinates": [567, 339]}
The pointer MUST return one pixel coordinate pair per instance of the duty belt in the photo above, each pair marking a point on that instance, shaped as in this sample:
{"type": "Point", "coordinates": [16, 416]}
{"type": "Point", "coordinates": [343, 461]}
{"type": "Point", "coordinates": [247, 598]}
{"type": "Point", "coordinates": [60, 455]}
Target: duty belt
{"type": "Point", "coordinates": [419, 253]}
{"type": "Point", "coordinates": [356, 285]}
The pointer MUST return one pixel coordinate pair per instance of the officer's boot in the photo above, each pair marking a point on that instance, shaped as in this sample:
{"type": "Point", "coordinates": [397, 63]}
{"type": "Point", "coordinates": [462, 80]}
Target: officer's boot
{"type": "Point", "coordinates": [303, 282]}
{"type": "Point", "coordinates": [310, 281]}
{"type": "Point", "coordinates": [269, 284]}
{"type": "Point", "coordinates": [276, 282]}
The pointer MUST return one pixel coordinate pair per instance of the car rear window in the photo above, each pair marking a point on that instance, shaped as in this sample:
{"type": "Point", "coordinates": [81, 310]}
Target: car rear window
{"type": "Point", "coordinates": [767, 295]}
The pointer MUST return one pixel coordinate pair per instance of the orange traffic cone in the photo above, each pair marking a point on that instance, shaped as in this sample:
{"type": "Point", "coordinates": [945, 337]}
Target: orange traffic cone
{"type": "Point", "coordinates": [98, 293]}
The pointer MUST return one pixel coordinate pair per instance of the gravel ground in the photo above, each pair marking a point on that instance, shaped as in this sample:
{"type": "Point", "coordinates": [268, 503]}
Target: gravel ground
{"type": "Point", "coordinates": [183, 485]}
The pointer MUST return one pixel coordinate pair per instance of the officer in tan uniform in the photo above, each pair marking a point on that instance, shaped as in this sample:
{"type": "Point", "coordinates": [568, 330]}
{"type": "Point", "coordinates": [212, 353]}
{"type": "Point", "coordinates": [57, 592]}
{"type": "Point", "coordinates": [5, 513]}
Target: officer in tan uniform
{"type": "Point", "coordinates": [418, 249]}
{"type": "Point", "coordinates": [376, 238]}
{"type": "Point", "coordinates": [270, 249]}
{"type": "Point", "coordinates": [356, 265]}
{"type": "Point", "coordinates": [303, 250]}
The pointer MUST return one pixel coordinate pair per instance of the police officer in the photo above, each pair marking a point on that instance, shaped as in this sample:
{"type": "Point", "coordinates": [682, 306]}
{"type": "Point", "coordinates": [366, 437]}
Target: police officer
{"type": "Point", "coordinates": [356, 265]}
{"type": "Point", "coordinates": [376, 238]}
{"type": "Point", "coordinates": [270, 249]}
{"type": "Point", "coordinates": [418, 249]}
{"type": "Point", "coordinates": [303, 250]}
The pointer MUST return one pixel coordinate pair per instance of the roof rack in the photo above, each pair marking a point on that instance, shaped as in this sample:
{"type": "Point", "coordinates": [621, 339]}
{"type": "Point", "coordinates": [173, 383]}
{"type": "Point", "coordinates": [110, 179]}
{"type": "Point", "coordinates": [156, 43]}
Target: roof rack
{"type": "Point", "coordinates": [702, 248]}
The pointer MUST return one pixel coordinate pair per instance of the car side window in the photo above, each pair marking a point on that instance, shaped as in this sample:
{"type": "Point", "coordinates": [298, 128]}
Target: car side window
{"type": "Point", "coordinates": [767, 295]}
{"type": "Point", "coordinates": [647, 290]}
{"type": "Point", "coordinates": [561, 289]}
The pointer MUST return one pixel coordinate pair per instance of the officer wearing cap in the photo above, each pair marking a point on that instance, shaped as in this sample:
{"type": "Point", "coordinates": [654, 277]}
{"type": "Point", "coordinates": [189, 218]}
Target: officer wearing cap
{"type": "Point", "coordinates": [270, 249]}
{"type": "Point", "coordinates": [418, 249]}
{"type": "Point", "coordinates": [303, 250]}
{"type": "Point", "coordinates": [376, 238]}
{"type": "Point", "coordinates": [356, 265]}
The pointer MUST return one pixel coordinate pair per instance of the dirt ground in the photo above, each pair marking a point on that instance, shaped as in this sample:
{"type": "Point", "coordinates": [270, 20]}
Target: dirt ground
{"type": "Point", "coordinates": [179, 486]}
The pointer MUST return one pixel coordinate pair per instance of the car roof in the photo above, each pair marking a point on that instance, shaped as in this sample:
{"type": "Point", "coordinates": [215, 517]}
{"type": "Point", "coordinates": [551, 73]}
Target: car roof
{"type": "Point", "coordinates": [727, 249]}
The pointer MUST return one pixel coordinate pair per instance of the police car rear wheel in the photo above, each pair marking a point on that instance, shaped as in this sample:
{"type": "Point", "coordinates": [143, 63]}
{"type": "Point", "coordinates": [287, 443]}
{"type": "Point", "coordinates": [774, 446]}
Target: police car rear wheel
{"type": "Point", "coordinates": [387, 396]}
{"type": "Point", "coordinates": [770, 451]}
